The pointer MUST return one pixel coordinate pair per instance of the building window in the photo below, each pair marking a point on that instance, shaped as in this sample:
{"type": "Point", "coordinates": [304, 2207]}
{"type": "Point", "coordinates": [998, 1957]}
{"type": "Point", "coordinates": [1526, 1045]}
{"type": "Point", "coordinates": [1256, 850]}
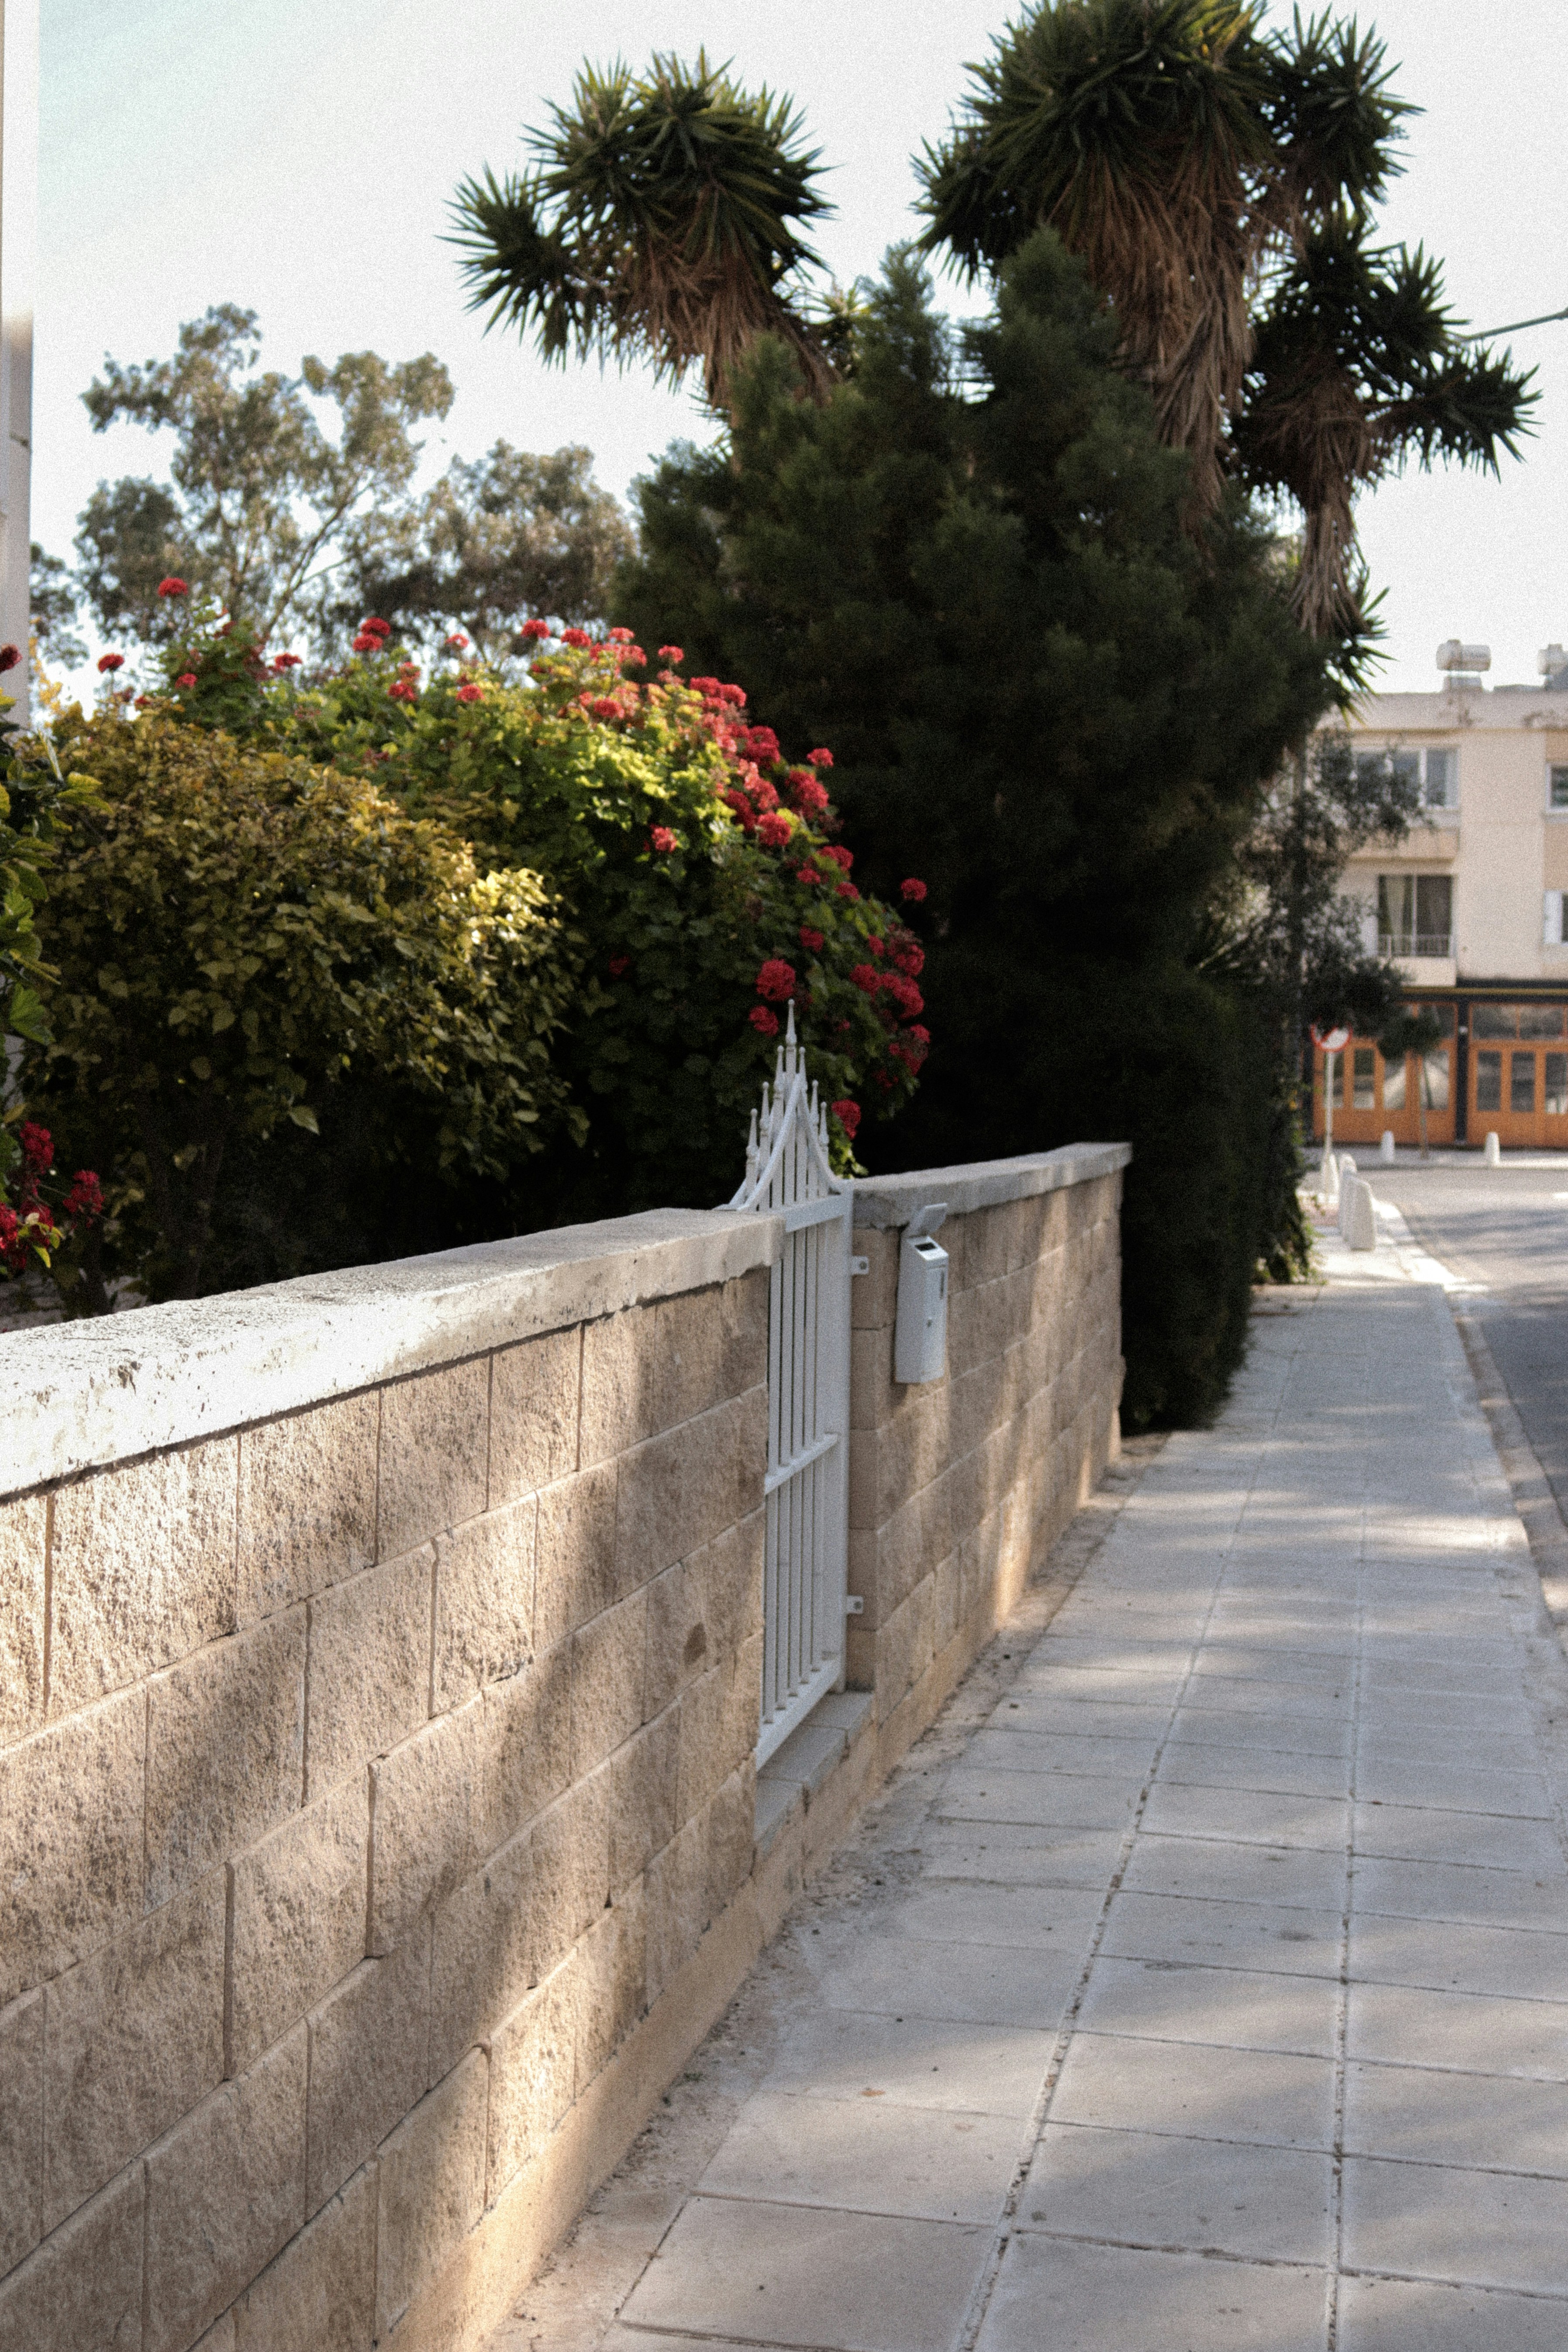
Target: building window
{"type": "Point", "coordinates": [1488, 1081]}
{"type": "Point", "coordinates": [1437, 771]}
{"type": "Point", "coordinates": [1557, 788]}
{"type": "Point", "coordinates": [1414, 914]}
{"type": "Point", "coordinates": [1521, 1083]}
{"type": "Point", "coordinates": [1551, 918]}
{"type": "Point", "coordinates": [1364, 1082]}
{"type": "Point", "coordinates": [1556, 1104]}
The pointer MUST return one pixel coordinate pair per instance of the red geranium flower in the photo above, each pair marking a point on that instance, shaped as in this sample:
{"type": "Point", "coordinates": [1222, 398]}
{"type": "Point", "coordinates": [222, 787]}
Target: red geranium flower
{"type": "Point", "coordinates": [735, 695]}
{"type": "Point", "coordinates": [110, 661]}
{"type": "Point", "coordinates": [812, 941]}
{"type": "Point", "coordinates": [877, 947]}
{"type": "Point", "coordinates": [905, 994]}
{"type": "Point", "coordinates": [470, 692]}
{"type": "Point", "coordinates": [820, 759]}
{"type": "Point", "coordinates": [367, 641]}
{"type": "Point", "coordinates": [402, 689]}
{"type": "Point", "coordinates": [536, 629]}
{"type": "Point", "coordinates": [374, 627]}
{"type": "Point", "coordinates": [910, 958]}
{"type": "Point", "coordinates": [848, 1114]}
{"type": "Point", "coordinates": [457, 640]}
{"type": "Point", "coordinates": [619, 964]}
{"type": "Point", "coordinates": [605, 708]}
{"type": "Point", "coordinates": [743, 808]}
{"type": "Point", "coordinates": [172, 586]}
{"type": "Point", "coordinates": [846, 890]}
{"type": "Point", "coordinates": [922, 1037]}
{"type": "Point", "coordinates": [9, 656]}
{"type": "Point", "coordinates": [578, 637]}
{"type": "Point", "coordinates": [865, 976]}
{"type": "Point", "coordinates": [671, 654]}
{"type": "Point", "coordinates": [776, 830]}
{"type": "Point", "coordinates": [285, 661]}
{"type": "Point", "coordinates": [809, 874]}
{"type": "Point", "coordinates": [85, 1198]}
{"type": "Point", "coordinates": [809, 797]}
{"type": "Point", "coordinates": [620, 636]}
{"type": "Point", "coordinates": [912, 890]}
{"type": "Point", "coordinates": [762, 745]}
{"type": "Point", "coordinates": [764, 1023]}
{"type": "Point", "coordinates": [37, 1148]}
{"type": "Point", "coordinates": [776, 979]}
{"type": "Point", "coordinates": [663, 840]}
{"type": "Point", "coordinates": [186, 677]}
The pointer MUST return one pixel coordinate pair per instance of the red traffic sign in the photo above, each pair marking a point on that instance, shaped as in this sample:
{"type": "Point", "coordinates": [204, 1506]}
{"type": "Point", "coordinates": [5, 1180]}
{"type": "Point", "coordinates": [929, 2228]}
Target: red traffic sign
{"type": "Point", "coordinates": [1330, 1041]}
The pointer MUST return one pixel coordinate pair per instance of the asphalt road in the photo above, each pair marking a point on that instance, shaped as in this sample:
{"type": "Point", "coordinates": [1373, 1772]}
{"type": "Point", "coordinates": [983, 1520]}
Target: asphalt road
{"type": "Point", "coordinates": [1505, 1229]}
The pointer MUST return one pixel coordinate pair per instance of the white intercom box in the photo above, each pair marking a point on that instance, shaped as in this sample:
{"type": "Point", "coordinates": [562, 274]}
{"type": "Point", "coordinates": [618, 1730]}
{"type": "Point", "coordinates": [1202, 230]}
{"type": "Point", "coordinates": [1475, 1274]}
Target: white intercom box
{"type": "Point", "coordinates": [920, 1334]}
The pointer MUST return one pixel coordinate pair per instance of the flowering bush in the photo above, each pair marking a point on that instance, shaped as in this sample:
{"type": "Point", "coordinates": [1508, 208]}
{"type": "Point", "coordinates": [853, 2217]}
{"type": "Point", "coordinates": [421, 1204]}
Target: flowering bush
{"type": "Point", "coordinates": [35, 1227]}
{"type": "Point", "coordinates": [242, 944]}
{"type": "Point", "coordinates": [702, 872]}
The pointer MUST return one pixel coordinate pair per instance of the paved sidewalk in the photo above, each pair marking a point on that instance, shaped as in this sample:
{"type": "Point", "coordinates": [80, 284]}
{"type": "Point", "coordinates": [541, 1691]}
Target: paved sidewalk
{"type": "Point", "coordinates": [1207, 1990]}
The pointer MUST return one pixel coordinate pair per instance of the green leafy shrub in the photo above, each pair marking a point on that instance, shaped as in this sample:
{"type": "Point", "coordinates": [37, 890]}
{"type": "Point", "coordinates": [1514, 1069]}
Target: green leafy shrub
{"type": "Point", "coordinates": [245, 943]}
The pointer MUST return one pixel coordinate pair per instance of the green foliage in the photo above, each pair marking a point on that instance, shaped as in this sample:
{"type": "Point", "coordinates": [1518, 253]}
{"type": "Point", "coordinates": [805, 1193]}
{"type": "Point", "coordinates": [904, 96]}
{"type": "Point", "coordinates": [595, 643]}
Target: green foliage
{"type": "Point", "coordinates": [37, 804]}
{"type": "Point", "coordinates": [691, 858]}
{"type": "Point", "coordinates": [662, 219]}
{"type": "Point", "coordinates": [1047, 698]}
{"type": "Point", "coordinates": [242, 940]}
{"type": "Point", "coordinates": [264, 500]}
{"type": "Point", "coordinates": [53, 603]}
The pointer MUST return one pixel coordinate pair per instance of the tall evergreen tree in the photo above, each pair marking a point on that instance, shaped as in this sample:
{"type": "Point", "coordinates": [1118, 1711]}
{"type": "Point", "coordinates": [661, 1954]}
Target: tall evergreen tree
{"type": "Point", "coordinates": [969, 574]}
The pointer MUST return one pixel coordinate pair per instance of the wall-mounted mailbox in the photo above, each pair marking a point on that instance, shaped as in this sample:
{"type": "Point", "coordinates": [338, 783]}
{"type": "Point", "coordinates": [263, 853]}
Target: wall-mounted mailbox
{"type": "Point", "coordinates": [920, 1335]}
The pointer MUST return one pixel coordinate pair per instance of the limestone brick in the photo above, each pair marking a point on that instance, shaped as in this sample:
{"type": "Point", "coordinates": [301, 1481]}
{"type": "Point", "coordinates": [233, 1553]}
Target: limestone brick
{"type": "Point", "coordinates": [484, 1601]}
{"type": "Point", "coordinates": [224, 2191]}
{"type": "Point", "coordinates": [70, 1839]}
{"type": "Point", "coordinates": [430, 2182]}
{"type": "Point", "coordinates": [82, 2287]}
{"type": "Point", "coordinates": [297, 1918]}
{"type": "Point", "coordinates": [319, 2296]}
{"type": "Point", "coordinates": [874, 1294]}
{"type": "Point", "coordinates": [532, 2073]}
{"type": "Point", "coordinates": [525, 1734]}
{"type": "Point", "coordinates": [132, 2039]}
{"type": "Point", "coordinates": [730, 1834]}
{"type": "Point", "coordinates": [434, 1447]}
{"type": "Point", "coordinates": [608, 1674]}
{"type": "Point", "coordinates": [678, 1644]}
{"type": "Point", "coordinates": [369, 1671]}
{"type": "Point", "coordinates": [570, 1866]}
{"type": "Point", "coordinates": [226, 1751]}
{"type": "Point", "coordinates": [645, 1776]}
{"type": "Point", "coordinates": [424, 1798]}
{"type": "Point", "coordinates": [21, 2129]}
{"type": "Point", "coordinates": [677, 1491]}
{"type": "Point", "coordinates": [677, 1890]}
{"type": "Point", "coordinates": [621, 1375]}
{"type": "Point", "coordinates": [143, 1569]}
{"type": "Point", "coordinates": [533, 1413]}
{"type": "Point", "coordinates": [614, 1960]}
{"type": "Point", "coordinates": [24, 1534]}
{"type": "Point", "coordinates": [369, 2050]}
{"type": "Point", "coordinates": [576, 1573]}
{"type": "Point", "coordinates": [307, 1503]}
{"type": "Point", "coordinates": [482, 1963]}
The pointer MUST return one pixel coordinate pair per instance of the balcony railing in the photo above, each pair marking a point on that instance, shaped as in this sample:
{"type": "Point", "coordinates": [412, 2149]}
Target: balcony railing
{"type": "Point", "coordinates": [1415, 943]}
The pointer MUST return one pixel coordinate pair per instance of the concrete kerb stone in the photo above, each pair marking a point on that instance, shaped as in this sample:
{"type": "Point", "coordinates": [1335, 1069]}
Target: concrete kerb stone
{"type": "Point", "coordinates": [114, 1390]}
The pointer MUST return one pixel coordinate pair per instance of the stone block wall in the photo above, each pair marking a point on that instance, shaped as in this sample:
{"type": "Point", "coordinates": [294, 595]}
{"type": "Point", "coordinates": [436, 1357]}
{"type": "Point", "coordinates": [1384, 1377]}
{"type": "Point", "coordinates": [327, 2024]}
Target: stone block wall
{"type": "Point", "coordinates": [380, 1676]}
{"type": "Point", "coordinates": [958, 1487]}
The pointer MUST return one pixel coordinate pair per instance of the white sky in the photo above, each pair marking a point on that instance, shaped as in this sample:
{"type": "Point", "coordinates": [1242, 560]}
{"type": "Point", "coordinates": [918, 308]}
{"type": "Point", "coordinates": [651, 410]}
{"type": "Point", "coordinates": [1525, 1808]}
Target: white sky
{"type": "Point", "coordinates": [296, 156]}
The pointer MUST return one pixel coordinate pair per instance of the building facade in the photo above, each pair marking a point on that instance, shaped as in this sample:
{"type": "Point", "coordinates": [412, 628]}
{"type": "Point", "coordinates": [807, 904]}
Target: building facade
{"type": "Point", "coordinates": [1470, 905]}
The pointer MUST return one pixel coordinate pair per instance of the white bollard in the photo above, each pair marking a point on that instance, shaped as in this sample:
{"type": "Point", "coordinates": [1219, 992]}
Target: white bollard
{"type": "Point", "coordinates": [1347, 1179]}
{"type": "Point", "coordinates": [1385, 1149]}
{"type": "Point", "coordinates": [1361, 1219]}
{"type": "Point", "coordinates": [1493, 1156]}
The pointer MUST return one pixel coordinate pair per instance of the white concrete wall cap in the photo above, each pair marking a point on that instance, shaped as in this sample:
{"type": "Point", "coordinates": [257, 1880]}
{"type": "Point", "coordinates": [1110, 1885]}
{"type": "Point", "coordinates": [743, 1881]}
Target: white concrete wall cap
{"type": "Point", "coordinates": [85, 1394]}
{"type": "Point", "coordinates": [891, 1201]}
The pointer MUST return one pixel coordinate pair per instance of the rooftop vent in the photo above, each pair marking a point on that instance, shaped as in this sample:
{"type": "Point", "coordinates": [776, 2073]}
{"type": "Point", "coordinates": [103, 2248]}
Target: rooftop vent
{"type": "Point", "coordinates": [1550, 660]}
{"type": "Point", "coordinates": [1453, 655]}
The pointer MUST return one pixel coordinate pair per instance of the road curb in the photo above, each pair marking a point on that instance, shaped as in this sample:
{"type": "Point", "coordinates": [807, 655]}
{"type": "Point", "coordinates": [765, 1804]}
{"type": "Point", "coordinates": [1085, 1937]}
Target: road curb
{"type": "Point", "coordinates": [1527, 1482]}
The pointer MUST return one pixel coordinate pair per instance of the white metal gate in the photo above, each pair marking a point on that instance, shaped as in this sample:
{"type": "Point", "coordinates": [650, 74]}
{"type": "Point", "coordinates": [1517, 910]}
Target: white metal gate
{"type": "Point", "coordinates": [808, 1482]}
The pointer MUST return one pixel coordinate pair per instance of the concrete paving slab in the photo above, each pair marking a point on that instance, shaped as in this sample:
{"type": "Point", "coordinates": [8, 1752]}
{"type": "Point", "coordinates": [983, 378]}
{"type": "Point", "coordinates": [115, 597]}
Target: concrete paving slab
{"type": "Point", "coordinates": [1241, 1935]}
{"type": "Point", "coordinates": [844, 2053]}
{"type": "Point", "coordinates": [1116, 2299]}
{"type": "Point", "coordinates": [1424, 1834]}
{"type": "Point", "coordinates": [1237, 1873]}
{"type": "Point", "coordinates": [1208, 2196]}
{"type": "Point", "coordinates": [1416, 1890]}
{"type": "Point", "coordinates": [1528, 1964]}
{"type": "Point", "coordinates": [1423, 2115]}
{"type": "Point", "coordinates": [1041, 1800]}
{"type": "Point", "coordinates": [993, 1984]}
{"type": "Point", "coordinates": [1480, 2033]}
{"type": "Point", "coordinates": [1000, 1853]}
{"type": "Point", "coordinates": [1196, 2091]}
{"type": "Point", "coordinates": [844, 2281]}
{"type": "Point", "coordinates": [1467, 1788]}
{"type": "Point", "coordinates": [1184, 2000]}
{"type": "Point", "coordinates": [871, 2153]}
{"type": "Point", "coordinates": [1484, 2228]}
{"type": "Point", "coordinates": [1406, 2315]}
{"type": "Point", "coordinates": [1200, 1765]}
{"type": "Point", "coordinates": [1246, 1816]}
